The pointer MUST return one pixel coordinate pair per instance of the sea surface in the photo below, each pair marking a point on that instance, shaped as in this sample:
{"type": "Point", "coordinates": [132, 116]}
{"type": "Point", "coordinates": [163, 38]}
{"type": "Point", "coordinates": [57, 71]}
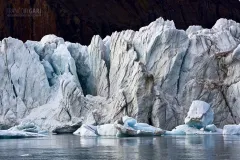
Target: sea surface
{"type": "Point", "coordinates": [70, 147]}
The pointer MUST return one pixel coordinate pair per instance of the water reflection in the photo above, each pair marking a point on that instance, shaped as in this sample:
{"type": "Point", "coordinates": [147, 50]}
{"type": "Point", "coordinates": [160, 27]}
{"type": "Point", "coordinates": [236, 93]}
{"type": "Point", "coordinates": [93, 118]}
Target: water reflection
{"type": "Point", "coordinates": [170, 147]}
{"type": "Point", "coordinates": [212, 147]}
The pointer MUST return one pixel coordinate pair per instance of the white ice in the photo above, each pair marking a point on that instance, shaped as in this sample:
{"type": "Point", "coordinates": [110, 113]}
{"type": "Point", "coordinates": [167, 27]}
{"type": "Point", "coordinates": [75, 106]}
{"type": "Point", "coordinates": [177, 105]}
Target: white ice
{"type": "Point", "coordinates": [18, 134]}
{"type": "Point", "coordinates": [231, 129]}
{"type": "Point", "coordinates": [199, 115]}
{"type": "Point", "coordinates": [185, 129]}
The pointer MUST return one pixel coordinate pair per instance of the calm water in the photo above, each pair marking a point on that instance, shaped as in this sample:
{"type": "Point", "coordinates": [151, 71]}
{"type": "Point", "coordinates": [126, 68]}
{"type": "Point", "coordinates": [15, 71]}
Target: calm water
{"type": "Point", "coordinates": [61, 147]}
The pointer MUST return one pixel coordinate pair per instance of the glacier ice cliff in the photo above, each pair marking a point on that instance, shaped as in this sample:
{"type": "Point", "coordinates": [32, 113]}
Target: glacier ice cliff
{"type": "Point", "coordinates": [152, 75]}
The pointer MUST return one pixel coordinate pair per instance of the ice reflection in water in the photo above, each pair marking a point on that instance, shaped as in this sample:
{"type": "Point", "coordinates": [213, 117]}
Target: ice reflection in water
{"type": "Point", "coordinates": [57, 147]}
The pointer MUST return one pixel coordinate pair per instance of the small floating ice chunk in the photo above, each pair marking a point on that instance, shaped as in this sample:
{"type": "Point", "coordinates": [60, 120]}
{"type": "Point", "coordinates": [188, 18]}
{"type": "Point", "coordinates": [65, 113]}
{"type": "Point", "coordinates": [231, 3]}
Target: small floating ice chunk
{"type": "Point", "coordinates": [25, 155]}
{"type": "Point", "coordinates": [211, 128]}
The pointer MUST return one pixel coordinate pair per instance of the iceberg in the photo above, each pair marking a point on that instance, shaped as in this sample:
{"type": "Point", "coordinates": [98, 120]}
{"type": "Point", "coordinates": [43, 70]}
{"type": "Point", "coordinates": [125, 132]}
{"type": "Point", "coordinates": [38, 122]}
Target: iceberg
{"type": "Point", "coordinates": [100, 130]}
{"type": "Point", "coordinates": [18, 134]}
{"type": "Point", "coordinates": [198, 121]}
{"type": "Point", "coordinates": [83, 131]}
{"type": "Point", "coordinates": [23, 130]}
{"type": "Point", "coordinates": [130, 127]}
{"type": "Point", "coordinates": [211, 128]}
{"type": "Point", "coordinates": [199, 115]}
{"type": "Point", "coordinates": [124, 131]}
{"type": "Point", "coordinates": [127, 126]}
{"type": "Point", "coordinates": [185, 129]}
{"type": "Point", "coordinates": [28, 127]}
{"type": "Point", "coordinates": [107, 130]}
{"type": "Point", "coordinates": [231, 129]}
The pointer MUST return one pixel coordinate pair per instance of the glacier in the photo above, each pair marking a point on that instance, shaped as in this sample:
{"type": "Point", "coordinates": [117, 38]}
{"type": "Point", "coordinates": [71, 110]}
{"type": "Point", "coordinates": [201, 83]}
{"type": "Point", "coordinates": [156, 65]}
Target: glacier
{"type": "Point", "coordinates": [152, 75]}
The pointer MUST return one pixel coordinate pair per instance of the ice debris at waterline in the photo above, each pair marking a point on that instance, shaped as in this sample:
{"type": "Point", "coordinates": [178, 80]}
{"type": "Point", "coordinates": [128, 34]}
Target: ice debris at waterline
{"type": "Point", "coordinates": [18, 134]}
{"type": "Point", "coordinates": [231, 129]}
{"type": "Point", "coordinates": [128, 127]}
{"type": "Point", "coordinates": [198, 121]}
{"type": "Point", "coordinates": [23, 130]}
{"type": "Point", "coordinates": [152, 75]}
{"type": "Point", "coordinates": [199, 115]}
{"type": "Point", "coordinates": [28, 127]}
{"type": "Point", "coordinates": [100, 130]}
